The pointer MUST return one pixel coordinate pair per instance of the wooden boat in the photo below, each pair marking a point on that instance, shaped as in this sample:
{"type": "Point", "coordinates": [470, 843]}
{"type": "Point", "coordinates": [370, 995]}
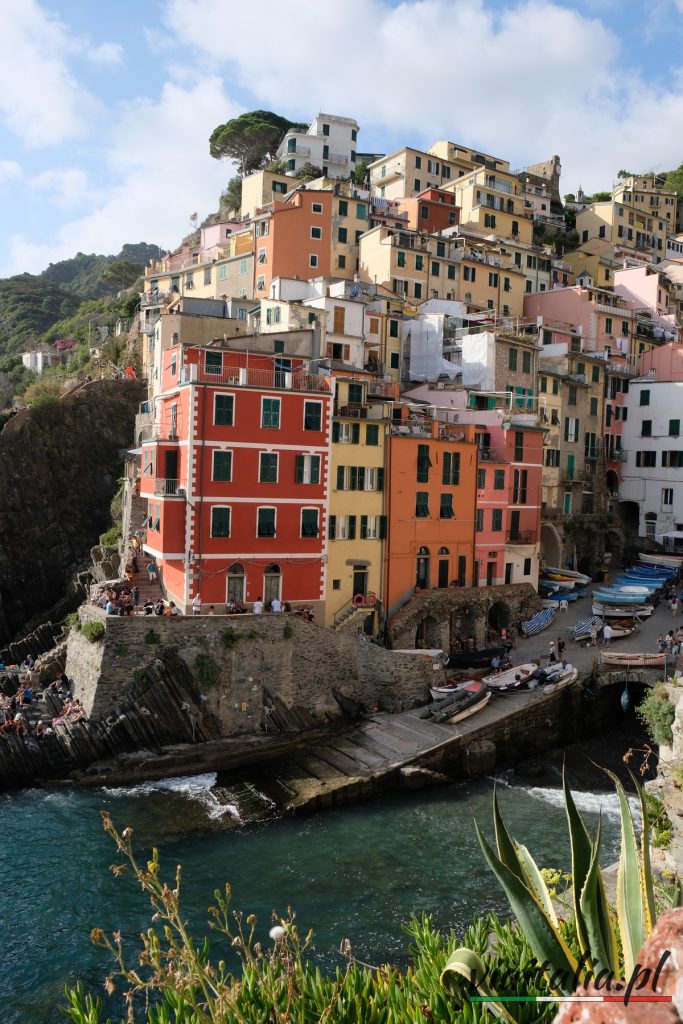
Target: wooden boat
{"type": "Point", "coordinates": [442, 692]}
{"type": "Point", "coordinates": [621, 631]}
{"type": "Point", "coordinates": [672, 561]}
{"type": "Point", "coordinates": [570, 574]}
{"type": "Point", "coordinates": [615, 611]}
{"type": "Point", "coordinates": [618, 597]}
{"type": "Point", "coordinates": [635, 659]}
{"type": "Point", "coordinates": [474, 659]}
{"type": "Point", "coordinates": [470, 698]}
{"type": "Point", "coordinates": [538, 622]}
{"type": "Point", "coordinates": [503, 680]}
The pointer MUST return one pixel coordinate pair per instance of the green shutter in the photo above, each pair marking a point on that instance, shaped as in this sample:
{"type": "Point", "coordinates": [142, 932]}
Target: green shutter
{"type": "Point", "coordinates": [382, 527]}
{"type": "Point", "coordinates": [352, 527]}
{"type": "Point", "coordinates": [361, 478]}
{"type": "Point", "coordinates": [299, 476]}
{"type": "Point", "coordinates": [340, 478]}
{"type": "Point", "coordinates": [446, 476]}
{"type": "Point", "coordinates": [335, 431]}
{"type": "Point", "coordinates": [355, 433]}
{"type": "Point", "coordinates": [455, 478]}
{"type": "Point", "coordinates": [363, 527]}
{"type": "Point", "coordinates": [331, 527]}
{"type": "Point", "coordinates": [380, 478]}
{"type": "Point", "coordinates": [315, 469]}
{"type": "Point", "coordinates": [353, 478]}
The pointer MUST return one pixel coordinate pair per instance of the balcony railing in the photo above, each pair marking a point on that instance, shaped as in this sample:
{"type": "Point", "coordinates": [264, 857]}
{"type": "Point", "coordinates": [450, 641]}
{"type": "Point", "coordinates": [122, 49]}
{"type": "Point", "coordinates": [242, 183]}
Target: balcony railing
{"type": "Point", "coordinates": [337, 158]}
{"type": "Point", "coordinates": [353, 410]}
{"type": "Point", "coordinates": [153, 298]}
{"type": "Point", "coordinates": [490, 455]}
{"type": "Point", "coordinates": [520, 537]}
{"type": "Point", "coordinates": [245, 377]}
{"type": "Point", "coordinates": [298, 151]}
{"type": "Point", "coordinates": [169, 488]}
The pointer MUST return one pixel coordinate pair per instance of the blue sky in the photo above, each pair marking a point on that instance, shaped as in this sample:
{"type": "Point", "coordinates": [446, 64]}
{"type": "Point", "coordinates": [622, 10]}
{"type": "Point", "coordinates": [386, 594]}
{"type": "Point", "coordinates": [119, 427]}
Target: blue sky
{"type": "Point", "coordinates": [106, 108]}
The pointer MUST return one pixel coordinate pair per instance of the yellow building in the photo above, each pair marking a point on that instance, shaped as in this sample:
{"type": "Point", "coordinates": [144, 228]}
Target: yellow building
{"type": "Point", "coordinates": [491, 202]}
{"type": "Point", "coordinates": [261, 187]}
{"type": "Point", "coordinates": [357, 516]}
{"type": "Point", "coordinates": [408, 171]}
{"type": "Point", "coordinates": [227, 273]}
{"type": "Point", "coordinates": [412, 265]}
{"type": "Point", "coordinates": [640, 216]}
{"type": "Point", "coordinates": [382, 333]}
{"type": "Point", "coordinates": [488, 278]}
{"type": "Point", "coordinates": [593, 264]}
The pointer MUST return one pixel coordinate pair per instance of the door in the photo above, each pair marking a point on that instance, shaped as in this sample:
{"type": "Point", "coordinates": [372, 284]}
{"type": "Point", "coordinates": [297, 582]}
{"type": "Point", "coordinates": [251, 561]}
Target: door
{"type": "Point", "coordinates": [171, 464]}
{"type": "Point", "coordinates": [236, 588]}
{"type": "Point", "coordinates": [508, 572]}
{"type": "Point", "coordinates": [272, 584]}
{"type": "Point", "coordinates": [567, 504]}
{"type": "Point", "coordinates": [514, 526]}
{"type": "Point", "coordinates": [570, 467]}
{"type": "Point", "coordinates": [360, 582]}
{"type": "Point", "coordinates": [422, 569]}
{"type": "Point", "coordinates": [443, 572]}
{"type": "Point", "coordinates": [490, 573]}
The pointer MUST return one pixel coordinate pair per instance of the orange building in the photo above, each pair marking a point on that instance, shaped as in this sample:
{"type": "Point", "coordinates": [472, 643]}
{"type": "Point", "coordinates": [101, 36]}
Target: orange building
{"type": "Point", "coordinates": [293, 239]}
{"type": "Point", "coordinates": [431, 478]}
{"type": "Point", "coordinates": [431, 211]}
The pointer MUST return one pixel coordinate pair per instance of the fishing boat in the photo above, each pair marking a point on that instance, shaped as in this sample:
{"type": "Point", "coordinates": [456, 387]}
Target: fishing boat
{"type": "Point", "coordinates": [668, 561]}
{"type": "Point", "coordinates": [548, 586]}
{"type": "Point", "coordinates": [471, 697]}
{"type": "Point", "coordinates": [622, 659]}
{"type": "Point", "coordinates": [581, 630]}
{"type": "Point", "coordinates": [621, 630]}
{"type": "Point", "coordinates": [474, 659]}
{"type": "Point", "coordinates": [559, 679]}
{"type": "Point", "coordinates": [615, 611]}
{"type": "Point", "coordinates": [440, 693]}
{"type": "Point", "coordinates": [538, 622]}
{"type": "Point", "coordinates": [561, 584]}
{"type": "Point", "coordinates": [512, 677]}
{"type": "Point", "coordinates": [618, 597]}
{"type": "Point", "coordinates": [551, 570]}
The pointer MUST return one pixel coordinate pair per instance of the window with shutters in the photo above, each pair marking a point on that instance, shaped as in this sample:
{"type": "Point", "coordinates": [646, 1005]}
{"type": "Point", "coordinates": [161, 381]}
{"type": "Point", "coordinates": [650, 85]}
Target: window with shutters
{"type": "Point", "coordinates": [220, 522]}
{"type": "Point", "coordinates": [646, 429]}
{"type": "Point", "coordinates": [451, 468]}
{"type": "Point", "coordinates": [342, 527]}
{"type": "Point", "coordinates": [223, 410]}
{"type": "Point", "coordinates": [644, 398]}
{"type": "Point", "coordinates": [422, 504]}
{"type": "Point", "coordinates": [519, 486]}
{"type": "Point", "coordinates": [481, 479]}
{"type": "Point", "coordinates": [313, 415]}
{"type": "Point", "coordinates": [372, 434]}
{"type": "Point", "coordinates": [339, 315]}
{"type": "Point", "coordinates": [499, 479]}
{"type": "Point", "coordinates": [594, 407]}
{"type": "Point", "coordinates": [265, 522]}
{"type": "Point", "coordinates": [342, 235]}
{"type": "Point", "coordinates": [270, 412]}
{"type": "Point", "coordinates": [355, 394]}
{"type": "Point", "coordinates": [496, 520]}
{"type": "Point", "coordinates": [370, 479]}
{"type": "Point", "coordinates": [526, 362]}
{"type": "Point", "coordinates": [479, 520]}
{"type": "Point", "coordinates": [213, 362]}
{"type": "Point", "coordinates": [519, 446]}
{"type": "Point", "coordinates": [222, 466]}
{"type": "Point", "coordinates": [419, 261]}
{"type": "Point", "coordinates": [674, 428]}
{"type": "Point", "coordinates": [423, 463]}
{"type": "Point", "coordinates": [446, 506]}
{"type": "Point", "coordinates": [268, 468]}
{"type": "Point", "coordinates": [512, 359]}
{"type": "Point", "coordinates": [370, 528]}
{"type": "Point", "coordinates": [307, 469]}
{"type": "Point", "coordinates": [309, 522]}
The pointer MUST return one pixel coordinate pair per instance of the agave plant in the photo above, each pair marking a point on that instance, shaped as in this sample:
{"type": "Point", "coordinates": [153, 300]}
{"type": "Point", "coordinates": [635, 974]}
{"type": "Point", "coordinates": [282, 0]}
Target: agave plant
{"type": "Point", "coordinates": [608, 939]}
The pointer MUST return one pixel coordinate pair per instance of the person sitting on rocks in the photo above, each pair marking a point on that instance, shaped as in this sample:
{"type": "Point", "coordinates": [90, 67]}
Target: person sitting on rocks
{"type": "Point", "coordinates": [231, 607]}
{"type": "Point", "coordinates": [159, 607]}
{"type": "Point", "coordinates": [148, 607]}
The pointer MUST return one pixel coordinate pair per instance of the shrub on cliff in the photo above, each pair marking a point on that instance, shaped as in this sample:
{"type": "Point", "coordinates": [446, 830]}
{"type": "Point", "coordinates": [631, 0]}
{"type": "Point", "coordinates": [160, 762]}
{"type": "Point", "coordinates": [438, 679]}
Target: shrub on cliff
{"type": "Point", "coordinates": [94, 631]}
{"type": "Point", "coordinates": [657, 712]}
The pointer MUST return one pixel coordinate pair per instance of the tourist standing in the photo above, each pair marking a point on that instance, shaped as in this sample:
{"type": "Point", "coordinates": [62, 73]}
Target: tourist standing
{"type": "Point", "coordinates": [594, 635]}
{"type": "Point", "coordinates": [258, 606]}
{"type": "Point", "coordinates": [560, 647]}
{"type": "Point", "coordinates": [674, 606]}
{"type": "Point", "coordinates": [607, 634]}
{"type": "Point", "coordinates": [552, 657]}
{"type": "Point", "coordinates": [152, 570]}
{"type": "Point", "coordinates": [197, 604]}
{"type": "Point", "coordinates": [276, 606]}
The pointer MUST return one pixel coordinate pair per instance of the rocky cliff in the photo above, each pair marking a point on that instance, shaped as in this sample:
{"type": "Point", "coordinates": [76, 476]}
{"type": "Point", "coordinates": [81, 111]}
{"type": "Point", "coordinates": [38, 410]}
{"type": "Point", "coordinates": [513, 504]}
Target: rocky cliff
{"type": "Point", "coordinates": [59, 466]}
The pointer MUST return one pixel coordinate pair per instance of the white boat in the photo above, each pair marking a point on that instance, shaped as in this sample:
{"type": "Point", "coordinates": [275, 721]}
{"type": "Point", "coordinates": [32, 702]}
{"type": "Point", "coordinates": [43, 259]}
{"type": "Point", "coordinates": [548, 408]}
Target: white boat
{"type": "Point", "coordinates": [564, 584]}
{"type": "Point", "coordinates": [613, 611]}
{"type": "Point", "coordinates": [634, 588]}
{"type": "Point", "coordinates": [440, 692]}
{"type": "Point", "coordinates": [509, 678]}
{"type": "Point", "coordinates": [675, 561]}
{"type": "Point", "coordinates": [578, 576]}
{"type": "Point", "coordinates": [471, 710]}
{"type": "Point", "coordinates": [558, 680]}
{"type": "Point", "coordinates": [623, 659]}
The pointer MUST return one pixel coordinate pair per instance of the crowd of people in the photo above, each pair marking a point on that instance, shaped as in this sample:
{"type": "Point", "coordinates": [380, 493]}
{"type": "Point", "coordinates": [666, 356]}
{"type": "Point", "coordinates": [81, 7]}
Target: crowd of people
{"type": "Point", "coordinates": [16, 707]}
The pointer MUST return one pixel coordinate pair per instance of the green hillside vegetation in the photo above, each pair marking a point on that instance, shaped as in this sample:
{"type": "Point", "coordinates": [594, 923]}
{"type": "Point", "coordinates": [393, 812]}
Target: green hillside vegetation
{"type": "Point", "coordinates": [29, 306]}
{"type": "Point", "coordinates": [85, 273]}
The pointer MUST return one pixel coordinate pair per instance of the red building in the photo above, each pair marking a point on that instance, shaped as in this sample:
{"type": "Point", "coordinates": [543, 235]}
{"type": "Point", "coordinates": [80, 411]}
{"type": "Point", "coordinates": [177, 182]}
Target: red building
{"type": "Point", "coordinates": [432, 210]}
{"type": "Point", "coordinates": [236, 477]}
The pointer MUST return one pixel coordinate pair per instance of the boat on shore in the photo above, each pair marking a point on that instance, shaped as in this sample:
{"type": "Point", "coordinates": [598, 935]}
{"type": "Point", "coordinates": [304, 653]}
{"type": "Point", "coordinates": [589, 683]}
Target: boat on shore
{"type": "Point", "coordinates": [503, 680]}
{"type": "Point", "coordinates": [538, 622]}
{"type": "Point", "coordinates": [615, 611]}
{"type": "Point", "coordinates": [635, 659]}
{"type": "Point", "coordinates": [581, 630]}
{"type": "Point", "coordinates": [559, 679]}
{"type": "Point", "coordinates": [474, 659]}
{"type": "Point", "coordinates": [470, 698]}
{"type": "Point", "coordinates": [669, 561]}
{"type": "Point", "coordinates": [551, 571]}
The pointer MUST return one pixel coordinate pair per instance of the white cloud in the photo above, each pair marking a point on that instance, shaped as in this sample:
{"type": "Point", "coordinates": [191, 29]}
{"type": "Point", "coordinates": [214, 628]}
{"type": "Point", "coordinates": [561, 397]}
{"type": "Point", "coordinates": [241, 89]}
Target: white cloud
{"type": "Point", "coordinates": [64, 186]}
{"type": "Point", "coordinates": [105, 53]}
{"type": "Point", "coordinates": [9, 170]}
{"type": "Point", "coordinates": [40, 100]}
{"type": "Point", "coordinates": [162, 172]}
{"type": "Point", "coordinates": [522, 80]}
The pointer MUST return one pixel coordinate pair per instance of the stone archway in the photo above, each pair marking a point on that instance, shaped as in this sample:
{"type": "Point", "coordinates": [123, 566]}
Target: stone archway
{"type": "Point", "coordinates": [499, 616]}
{"type": "Point", "coordinates": [463, 624]}
{"type": "Point", "coordinates": [551, 545]}
{"type": "Point", "coordinates": [428, 633]}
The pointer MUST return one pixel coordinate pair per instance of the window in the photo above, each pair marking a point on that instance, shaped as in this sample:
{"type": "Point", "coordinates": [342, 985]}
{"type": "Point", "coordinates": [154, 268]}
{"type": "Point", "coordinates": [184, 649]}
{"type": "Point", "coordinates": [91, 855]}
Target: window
{"type": "Point", "coordinates": [317, 207]}
{"type": "Point", "coordinates": [646, 429]}
{"type": "Point", "coordinates": [512, 359]}
{"type": "Point", "coordinates": [418, 162]}
{"type": "Point", "coordinates": [326, 129]}
{"type": "Point", "coordinates": [372, 527]}
{"type": "Point", "coordinates": [418, 290]}
{"type": "Point", "coordinates": [313, 412]}
{"type": "Point", "coordinates": [496, 520]}
{"type": "Point", "coordinates": [526, 362]}
{"type": "Point", "coordinates": [207, 275]}
{"type": "Point", "coordinates": [372, 434]}
{"type": "Point", "coordinates": [280, 187]}
{"type": "Point", "coordinates": [667, 496]}
{"type": "Point", "coordinates": [419, 262]}
{"type": "Point", "coordinates": [342, 527]}
{"type": "Point", "coordinates": [341, 262]}
{"type": "Point", "coordinates": [243, 266]}
{"type": "Point", "coordinates": [400, 259]}
{"type": "Point", "coordinates": [489, 220]}
{"type": "Point", "coordinates": [481, 479]}
{"type": "Point", "coordinates": [343, 208]}
{"type": "Point", "coordinates": [422, 504]}
{"type": "Point", "coordinates": [354, 135]}
{"type": "Point", "coordinates": [493, 280]}
{"type": "Point", "coordinates": [312, 260]}
{"type": "Point", "coordinates": [594, 407]}
{"type": "Point", "coordinates": [451, 272]}
{"type": "Point", "coordinates": [268, 468]}
{"type": "Point", "coordinates": [222, 466]}
{"type": "Point", "coordinates": [479, 521]}
{"type": "Point", "coordinates": [527, 567]}
{"type": "Point", "coordinates": [213, 362]}
{"type": "Point", "coordinates": [307, 469]}
{"type": "Point", "coordinates": [260, 283]}
{"type": "Point", "coordinates": [446, 506]}
{"type": "Point", "coordinates": [361, 212]}
{"type": "Point", "coordinates": [223, 409]}
{"type": "Point", "coordinates": [316, 233]}
{"type": "Point", "coordinates": [309, 522]}
{"type": "Point", "coordinates": [435, 269]}
{"type": "Point", "coordinates": [394, 361]}
{"type": "Point", "coordinates": [451, 468]}
{"type": "Point", "coordinates": [519, 487]}
{"type": "Point", "coordinates": [270, 412]}
{"type": "Point", "coordinates": [265, 522]}
{"type": "Point", "coordinates": [223, 271]}
{"type": "Point", "coordinates": [674, 428]}
{"type": "Point", "coordinates": [423, 463]}
{"type": "Point", "coordinates": [342, 235]}
{"type": "Point", "coordinates": [393, 328]}
{"type": "Point", "coordinates": [416, 185]}
{"type": "Point", "coordinates": [469, 273]}
{"type": "Point", "coordinates": [499, 480]}
{"type": "Point", "coordinates": [571, 429]}
{"type": "Point", "coordinates": [608, 325]}
{"type": "Point", "coordinates": [424, 212]}
{"type": "Point", "coordinates": [572, 395]}
{"type": "Point", "coordinates": [220, 522]}
{"type": "Point", "coordinates": [519, 446]}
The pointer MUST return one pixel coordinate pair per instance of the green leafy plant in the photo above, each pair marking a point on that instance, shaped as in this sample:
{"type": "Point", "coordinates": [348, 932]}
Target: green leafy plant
{"type": "Point", "coordinates": [657, 712]}
{"type": "Point", "coordinates": [230, 637]}
{"type": "Point", "coordinates": [73, 621]}
{"type": "Point", "coordinates": [609, 941]}
{"type": "Point", "coordinates": [208, 671]}
{"type": "Point", "coordinates": [287, 631]}
{"type": "Point", "coordinates": [109, 538]}
{"type": "Point", "coordinates": [660, 822]}
{"type": "Point", "coordinates": [93, 631]}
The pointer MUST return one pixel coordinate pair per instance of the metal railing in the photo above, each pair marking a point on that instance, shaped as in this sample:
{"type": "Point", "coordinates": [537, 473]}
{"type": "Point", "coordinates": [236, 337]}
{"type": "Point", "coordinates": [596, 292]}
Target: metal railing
{"type": "Point", "coordinates": [242, 376]}
{"type": "Point", "coordinates": [520, 537]}
{"type": "Point", "coordinates": [352, 411]}
{"type": "Point", "coordinates": [490, 455]}
{"type": "Point", "coordinates": [169, 488]}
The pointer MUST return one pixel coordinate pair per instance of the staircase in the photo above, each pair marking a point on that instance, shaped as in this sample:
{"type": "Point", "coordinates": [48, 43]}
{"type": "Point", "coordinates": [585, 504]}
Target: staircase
{"type": "Point", "coordinates": [350, 617]}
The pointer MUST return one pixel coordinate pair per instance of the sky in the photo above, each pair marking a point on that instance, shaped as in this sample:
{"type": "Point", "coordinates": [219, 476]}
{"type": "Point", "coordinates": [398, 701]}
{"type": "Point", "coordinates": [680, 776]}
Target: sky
{"type": "Point", "coordinates": [106, 106]}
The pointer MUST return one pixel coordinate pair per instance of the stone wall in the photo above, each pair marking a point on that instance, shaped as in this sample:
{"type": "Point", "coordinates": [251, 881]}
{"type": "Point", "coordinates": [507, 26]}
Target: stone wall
{"type": "Point", "coordinates": [440, 610]}
{"type": "Point", "coordinates": [252, 669]}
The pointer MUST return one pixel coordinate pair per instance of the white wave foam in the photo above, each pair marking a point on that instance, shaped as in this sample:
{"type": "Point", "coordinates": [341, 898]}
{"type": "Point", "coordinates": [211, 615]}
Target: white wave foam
{"type": "Point", "coordinates": [191, 787]}
{"type": "Point", "coordinates": [590, 803]}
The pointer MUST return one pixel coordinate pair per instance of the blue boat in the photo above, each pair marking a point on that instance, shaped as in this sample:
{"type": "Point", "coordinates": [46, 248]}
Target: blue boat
{"type": "Point", "coordinates": [617, 597]}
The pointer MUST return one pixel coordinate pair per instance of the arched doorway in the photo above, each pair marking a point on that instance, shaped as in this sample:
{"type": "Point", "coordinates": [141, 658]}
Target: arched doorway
{"type": "Point", "coordinates": [427, 633]}
{"type": "Point", "coordinates": [499, 616]}
{"type": "Point", "coordinates": [612, 482]}
{"type": "Point", "coordinates": [236, 582]}
{"type": "Point", "coordinates": [422, 569]}
{"type": "Point", "coordinates": [463, 625]}
{"type": "Point", "coordinates": [272, 583]}
{"type": "Point", "coordinates": [444, 568]}
{"type": "Point", "coordinates": [629, 513]}
{"type": "Point", "coordinates": [551, 545]}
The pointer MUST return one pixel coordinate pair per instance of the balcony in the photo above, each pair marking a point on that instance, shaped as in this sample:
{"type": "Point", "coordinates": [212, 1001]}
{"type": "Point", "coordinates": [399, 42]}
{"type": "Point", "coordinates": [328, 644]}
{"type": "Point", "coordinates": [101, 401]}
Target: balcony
{"type": "Point", "coordinates": [166, 488]}
{"type": "Point", "coordinates": [521, 537]}
{"type": "Point", "coordinates": [352, 410]}
{"type": "Point", "coordinates": [154, 298]}
{"type": "Point", "coordinates": [145, 427]}
{"type": "Point", "coordinates": [490, 455]}
{"type": "Point", "coordinates": [622, 369]}
{"type": "Point", "coordinates": [337, 158]}
{"type": "Point", "coordinates": [297, 151]}
{"type": "Point", "coordinates": [619, 456]}
{"type": "Point", "coordinates": [241, 376]}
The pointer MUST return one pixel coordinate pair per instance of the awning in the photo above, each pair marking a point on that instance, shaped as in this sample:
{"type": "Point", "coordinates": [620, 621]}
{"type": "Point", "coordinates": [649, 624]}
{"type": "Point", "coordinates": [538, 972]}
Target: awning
{"type": "Point", "coordinates": [670, 535]}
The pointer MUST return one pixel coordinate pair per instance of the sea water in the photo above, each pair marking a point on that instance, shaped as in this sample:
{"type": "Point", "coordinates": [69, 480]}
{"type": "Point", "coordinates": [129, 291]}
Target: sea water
{"type": "Point", "coordinates": [354, 873]}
